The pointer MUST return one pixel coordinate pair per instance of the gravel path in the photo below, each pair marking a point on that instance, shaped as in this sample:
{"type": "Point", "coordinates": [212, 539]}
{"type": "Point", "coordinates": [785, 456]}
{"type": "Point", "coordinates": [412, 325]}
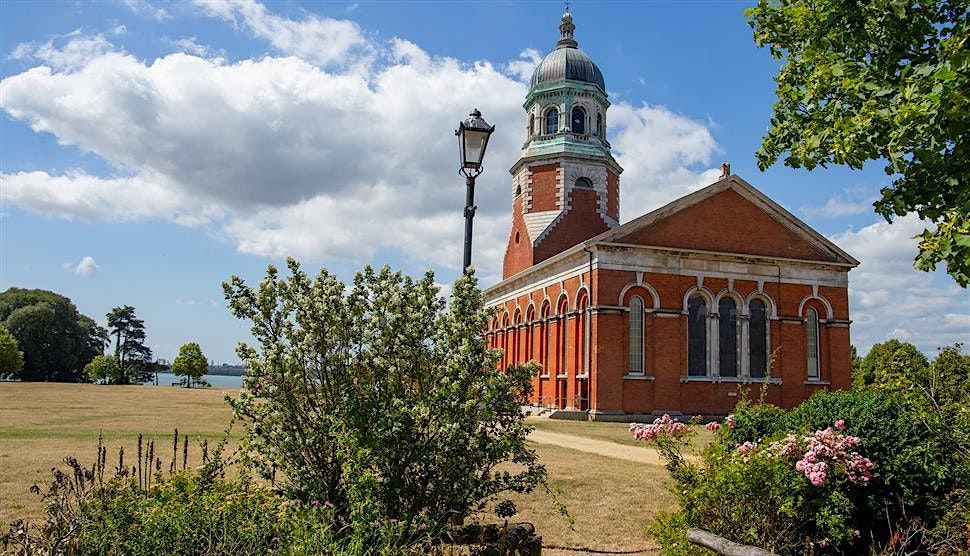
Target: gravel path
{"type": "Point", "coordinates": [639, 454]}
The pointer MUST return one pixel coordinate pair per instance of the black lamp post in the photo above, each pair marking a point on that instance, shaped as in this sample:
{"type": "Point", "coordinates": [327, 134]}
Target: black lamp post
{"type": "Point", "coordinates": [473, 136]}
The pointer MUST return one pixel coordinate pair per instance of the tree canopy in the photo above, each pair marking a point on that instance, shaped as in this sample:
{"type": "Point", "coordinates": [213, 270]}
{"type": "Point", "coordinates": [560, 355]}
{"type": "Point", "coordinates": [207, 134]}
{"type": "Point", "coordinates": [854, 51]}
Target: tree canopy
{"type": "Point", "coordinates": [103, 368]}
{"type": "Point", "coordinates": [887, 360]}
{"type": "Point", "coordinates": [882, 80]}
{"type": "Point", "coordinates": [133, 356]}
{"type": "Point", "coordinates": [190, 363]}
{"type": "Point", "coordinates": [56, 340]}
{"type": "Point", "coordinates": [366, 395]}
{"type": "Point", "coordinates": [11, 358]}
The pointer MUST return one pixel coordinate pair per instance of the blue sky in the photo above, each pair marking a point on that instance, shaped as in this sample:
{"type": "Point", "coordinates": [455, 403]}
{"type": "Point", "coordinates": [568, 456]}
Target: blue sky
{"type": "Point", "coordinates": [150, 150]}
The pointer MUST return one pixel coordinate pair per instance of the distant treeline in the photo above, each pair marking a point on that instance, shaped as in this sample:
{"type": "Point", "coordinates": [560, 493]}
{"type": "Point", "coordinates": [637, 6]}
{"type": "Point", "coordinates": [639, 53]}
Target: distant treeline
{"type": "Point", "coordinates": [227, 370]}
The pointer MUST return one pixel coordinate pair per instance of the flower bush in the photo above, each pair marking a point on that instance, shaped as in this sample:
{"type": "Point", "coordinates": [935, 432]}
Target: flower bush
{"type": "Point", "coordinates": [865, 471]}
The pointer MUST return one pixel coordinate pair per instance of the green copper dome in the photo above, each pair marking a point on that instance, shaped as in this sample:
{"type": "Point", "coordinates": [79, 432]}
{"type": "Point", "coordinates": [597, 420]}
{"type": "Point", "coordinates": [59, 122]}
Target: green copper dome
{"type": "Point", "coordinates": [567, 61]}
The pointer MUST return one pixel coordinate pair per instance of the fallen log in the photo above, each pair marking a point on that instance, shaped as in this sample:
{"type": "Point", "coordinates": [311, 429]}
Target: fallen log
{"type": "Point", "coordinates": [723, 546]}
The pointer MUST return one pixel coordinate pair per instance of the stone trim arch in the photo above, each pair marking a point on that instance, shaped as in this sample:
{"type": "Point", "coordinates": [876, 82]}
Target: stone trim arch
{"type": "Point", "coordinates": [821, 299]}
{"type": "Point", "coordinates": [655, 297]}
{"type": "Point", "coordinates": [579, 293]}
{"type": "Point", "coordinates": [708, 296]}
{"type": "Point", "coordinates": [768, 301]}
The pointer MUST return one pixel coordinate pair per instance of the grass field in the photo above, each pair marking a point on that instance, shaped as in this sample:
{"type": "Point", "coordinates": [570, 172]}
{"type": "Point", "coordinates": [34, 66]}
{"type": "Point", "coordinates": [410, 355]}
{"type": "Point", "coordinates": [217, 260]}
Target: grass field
{"type": "Point", "coordinates": [612, 500]}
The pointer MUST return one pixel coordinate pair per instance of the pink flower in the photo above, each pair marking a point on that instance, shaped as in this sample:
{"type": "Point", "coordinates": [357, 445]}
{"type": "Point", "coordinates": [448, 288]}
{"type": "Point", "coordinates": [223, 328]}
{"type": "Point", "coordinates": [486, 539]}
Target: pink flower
{"type": "Point", "coordinates": [662, 427]}
{"type": "Point", "coordinates": [840, 424]}
{"type": "Point", "coordinates": [729, 421]}
{"type": "Point", "coordinates": [713, 426]}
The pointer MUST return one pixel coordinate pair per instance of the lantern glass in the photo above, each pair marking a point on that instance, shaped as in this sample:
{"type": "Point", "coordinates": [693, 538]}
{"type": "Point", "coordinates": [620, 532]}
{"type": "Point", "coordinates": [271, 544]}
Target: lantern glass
{"type": "Point", "coordinates": [474, 147]}
{"type": "Point", "coordinates": [473, 134]}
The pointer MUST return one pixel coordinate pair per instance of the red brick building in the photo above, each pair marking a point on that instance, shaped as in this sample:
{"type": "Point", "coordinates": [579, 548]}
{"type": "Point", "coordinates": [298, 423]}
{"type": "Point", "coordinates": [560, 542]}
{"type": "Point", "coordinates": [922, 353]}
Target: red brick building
{"type": "Point", "coordinates": [674, 311]}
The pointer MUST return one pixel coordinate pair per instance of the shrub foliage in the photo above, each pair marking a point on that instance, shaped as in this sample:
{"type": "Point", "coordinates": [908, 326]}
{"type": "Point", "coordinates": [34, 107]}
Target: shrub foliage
{"type": "Point", "coordinates": [380, 398]}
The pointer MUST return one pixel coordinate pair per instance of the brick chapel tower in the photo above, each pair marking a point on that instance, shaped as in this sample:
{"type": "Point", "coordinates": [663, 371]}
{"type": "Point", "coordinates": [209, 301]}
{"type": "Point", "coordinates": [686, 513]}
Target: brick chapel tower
{"type": "Point", "coordinates": [565, 184]}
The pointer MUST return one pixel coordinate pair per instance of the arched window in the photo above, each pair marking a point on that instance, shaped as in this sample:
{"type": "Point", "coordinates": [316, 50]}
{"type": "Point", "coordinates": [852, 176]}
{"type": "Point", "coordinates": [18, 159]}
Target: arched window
{"type": "Point", "coordinates": [584, 183]}
{"type": "Point", "coordinates": [545, 342]}
{"type": "Point", "coordinates": [635, 340]}
{"type": "Point", "coordinates": [552, 121]}
{"type": "Point", "coordinates": [758, 338]}
{"type": "Point", "coordinates": [812, 333]}
{"type": "Point", "coordinates": [578, 121]}
{"type": "Point", "coordinates": [506, 342]}
{"type": "Point", "coordinates": [530, 317]}
{"type": "Point", "coordinates": [563, 343]}
{"type": "Point", "coordinates": [599, 125]}
{"type": "Point", "coordinates": [532, 125]}
{"type": "Point", "coordinates": [727, 343]}
{"type": "Point", "coordinates": [696, 335]}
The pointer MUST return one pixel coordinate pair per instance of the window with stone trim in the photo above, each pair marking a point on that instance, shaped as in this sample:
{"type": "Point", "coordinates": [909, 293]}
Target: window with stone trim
{"type": "Point", "coordinates": [584, 183]}
{"type": "Point", "coordinates": [552, 121]}
{"type": "Point", "coordinates": [599, 124]}
{"type": "Point", "coordinates": [697, 335]}
{"type": "Point", "coordinates": [545, 345]}
{"type": "Point", "coordinates": [757, 338]}
{"type": "Point", "coordinates": [582, 336]}
{"type": "Point", "coordinates": [635, 340]}
{"type": "Point", "coordinates": [811, 333]}
{"type": "Point", "coordinates": [563, 344]}
{"type": "Point", "coordinates": [727, 317]}
{"type": "Point", "coordinates": [532, 125]}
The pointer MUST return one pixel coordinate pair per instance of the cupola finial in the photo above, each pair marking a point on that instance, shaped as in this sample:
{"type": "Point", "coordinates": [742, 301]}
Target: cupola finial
{"type": "Point", "coordinates": [566, 29]}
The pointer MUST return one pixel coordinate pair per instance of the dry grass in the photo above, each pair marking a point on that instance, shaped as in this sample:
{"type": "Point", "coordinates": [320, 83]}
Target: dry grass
{"type": "Point", "coordinates": [40, 423]}
{"type": "Point", "coordinates": [612, 500]}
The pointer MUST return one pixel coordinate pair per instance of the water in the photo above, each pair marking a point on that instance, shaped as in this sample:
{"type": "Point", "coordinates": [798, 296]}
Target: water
{"type": "Point", "coordinates": [217, 381]}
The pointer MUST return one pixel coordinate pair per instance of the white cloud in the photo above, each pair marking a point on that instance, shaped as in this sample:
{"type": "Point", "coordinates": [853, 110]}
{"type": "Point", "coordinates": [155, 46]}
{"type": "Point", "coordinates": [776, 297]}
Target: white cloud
{"type": "Point", "coordinates": [887, 294]}
{"type": "Point", "coordinates": [119, 29]}
{"type": "Point", "coordinates": [74, 51]}
{"type": "Point", "coordinates": [86, 267]}
{"type": "Point", "coordinates": [664, 155]}
{"type": "Point", "coordinates": [283, 157]}
{"type": "Point", "coordinates": [189, 45]}
{"type": "Point", "coordinates": [525, 65]}
{"type": "Point", "coordinates": [145, 8]}
{"type": "Point", "coordinates": [855, 200]}
{"type": "Point", "coordinates": [319, 40]}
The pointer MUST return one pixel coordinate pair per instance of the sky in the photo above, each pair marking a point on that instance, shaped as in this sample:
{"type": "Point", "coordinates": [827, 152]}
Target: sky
{"type": "Point", "coordinates": [149, 150]}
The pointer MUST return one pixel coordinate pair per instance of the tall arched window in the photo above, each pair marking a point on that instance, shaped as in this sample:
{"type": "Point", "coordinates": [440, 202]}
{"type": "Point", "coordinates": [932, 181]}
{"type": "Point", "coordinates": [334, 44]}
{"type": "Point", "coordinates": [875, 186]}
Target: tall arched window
{"type": "Point", "coordinates": [758, 338]}
{"type": "Point", "coordinates": [599, 125]}
{"type": "Point", "coordinates": [696, 335]}
{"type": "Point", "coordinates": [532, 125]}
{"type": "Point", "coordinates": [545, 343]}
{"type": "Point", "coordinates": [517, 338]}
{"type": "Point", "coordinates": [582, 336]}
{"type": "Point", "coordinates": [727, 312]}
{"type": "Point", "coordinates": [552, 121]}
{"type": "Point", "coordinates": [635, 341]}
{"type": "Point", "coordinates": [578, 121]}
{"type": "Point", "coordinates": [812, 333]}
{"type": "Point", "coordinates": [563, 342]}
{"type": "Point", "coordinates": [530, 317]}
{"type": "Point", "coordinates": [506, 342]}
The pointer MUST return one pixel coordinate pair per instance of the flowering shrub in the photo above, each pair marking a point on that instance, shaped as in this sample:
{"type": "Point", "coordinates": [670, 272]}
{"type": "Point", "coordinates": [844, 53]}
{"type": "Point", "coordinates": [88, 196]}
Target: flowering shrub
{"type": "Point", "coordinates": [664, 426]}
{"type": "Point", "coordinates": [866, 471]}
{"type": "Point", "coordinates": [825, 453]}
